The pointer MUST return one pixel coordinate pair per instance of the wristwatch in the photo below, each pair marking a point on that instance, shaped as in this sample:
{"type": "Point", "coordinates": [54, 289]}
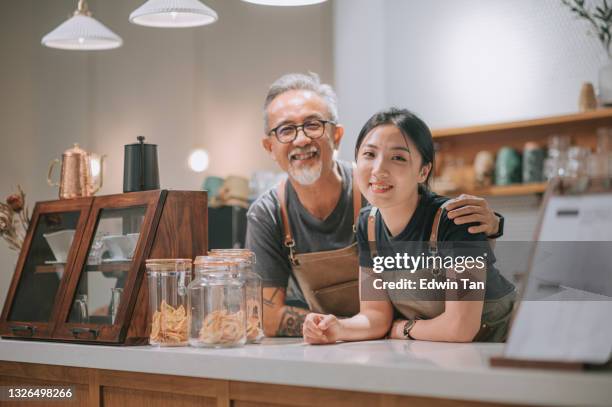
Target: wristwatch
{"type": "Point", "coordinates": [407, 327]}
{"type": "Point", "coordinates": [500, 228]}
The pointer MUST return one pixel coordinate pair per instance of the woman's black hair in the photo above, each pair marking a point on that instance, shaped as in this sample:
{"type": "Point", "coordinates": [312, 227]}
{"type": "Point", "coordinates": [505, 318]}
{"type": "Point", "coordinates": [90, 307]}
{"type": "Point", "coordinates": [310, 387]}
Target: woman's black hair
{"type": "Point", "coordinates": [411, 127]}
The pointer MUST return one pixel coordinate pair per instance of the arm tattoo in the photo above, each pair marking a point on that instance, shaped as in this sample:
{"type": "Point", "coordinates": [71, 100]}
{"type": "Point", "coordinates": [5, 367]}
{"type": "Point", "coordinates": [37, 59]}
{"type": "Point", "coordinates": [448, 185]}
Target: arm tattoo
{"type": "Point", "coordinates": [292, 321]}
{"type": "Point", "coordinates": [270, 301]}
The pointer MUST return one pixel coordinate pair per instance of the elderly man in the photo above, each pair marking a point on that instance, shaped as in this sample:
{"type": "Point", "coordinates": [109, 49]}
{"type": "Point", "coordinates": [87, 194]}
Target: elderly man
{"type": "Point", "coordinates": [302, 232]}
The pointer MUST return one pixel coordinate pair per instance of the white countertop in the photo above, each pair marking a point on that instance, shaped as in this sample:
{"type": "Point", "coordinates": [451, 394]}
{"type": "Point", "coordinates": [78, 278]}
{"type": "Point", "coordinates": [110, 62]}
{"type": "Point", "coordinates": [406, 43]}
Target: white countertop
{"type": "Point", "coordinates": [444, 370]}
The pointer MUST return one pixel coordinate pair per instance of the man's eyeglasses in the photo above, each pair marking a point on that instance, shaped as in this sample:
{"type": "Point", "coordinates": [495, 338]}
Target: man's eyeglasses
{"type": "Point", "coordinates": [313, 129]}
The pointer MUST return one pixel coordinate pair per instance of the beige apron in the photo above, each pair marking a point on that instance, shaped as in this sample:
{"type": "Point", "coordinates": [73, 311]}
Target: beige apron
{"type": "Point", "coordinates": [495, 315]}
{"type": "Point", "coordinates": [328, 279]}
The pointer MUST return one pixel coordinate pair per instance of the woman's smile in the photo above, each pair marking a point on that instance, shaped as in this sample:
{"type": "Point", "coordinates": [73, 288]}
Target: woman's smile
{"type": "Point", "coordinates": [378, 187]}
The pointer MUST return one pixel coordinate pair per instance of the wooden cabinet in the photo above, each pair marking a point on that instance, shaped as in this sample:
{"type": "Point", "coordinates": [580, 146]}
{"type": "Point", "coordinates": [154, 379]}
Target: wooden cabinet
{"type": "Point", "coordinates": [81, 273]}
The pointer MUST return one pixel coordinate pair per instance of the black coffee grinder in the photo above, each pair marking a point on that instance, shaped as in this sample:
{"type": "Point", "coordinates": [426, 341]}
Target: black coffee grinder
{"type": "Point", "coordinates": [140, 167]}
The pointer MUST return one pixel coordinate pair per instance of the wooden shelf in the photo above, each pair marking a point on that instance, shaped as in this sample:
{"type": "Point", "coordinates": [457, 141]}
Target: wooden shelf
{"type": "Point", "coordinates": [569, 119]}
{"type": "Point", "coordinates": [110, 267]}
{"type": "Point", "coordinates": [505, 190]}
{"type": "Point", "coordinates": [49, 268]}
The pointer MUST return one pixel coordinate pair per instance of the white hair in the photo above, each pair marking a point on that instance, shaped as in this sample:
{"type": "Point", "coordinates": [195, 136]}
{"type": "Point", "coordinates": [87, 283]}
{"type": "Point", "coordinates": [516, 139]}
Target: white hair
{"type": "Point", "coordinates": [298, 81]}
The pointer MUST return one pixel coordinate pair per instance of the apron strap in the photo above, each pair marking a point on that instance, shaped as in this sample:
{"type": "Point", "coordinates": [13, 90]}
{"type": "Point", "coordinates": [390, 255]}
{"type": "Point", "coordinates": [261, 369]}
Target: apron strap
{"type": "Point", "coordinates": [282, 199]}
{"type": "Point", "coordinates": [435, 229]}
{"type": "Point", "coordinates": [372, 231]}
{"type": "Point", "coordinates": [433, 237]}
{"type": "Point", "coordinates": [287, 237]}
{"type": "Point", "coordinates": [356, 199]}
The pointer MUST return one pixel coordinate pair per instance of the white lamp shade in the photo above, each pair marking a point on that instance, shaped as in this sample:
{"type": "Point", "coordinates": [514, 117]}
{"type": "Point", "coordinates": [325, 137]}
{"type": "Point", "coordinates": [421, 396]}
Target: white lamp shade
{"type": "Point", "coordinates": [173, 13]}
{"type": "Point", "coordinates": [81, 32]}
{"type": "Point", "coordinates": [285, 2]}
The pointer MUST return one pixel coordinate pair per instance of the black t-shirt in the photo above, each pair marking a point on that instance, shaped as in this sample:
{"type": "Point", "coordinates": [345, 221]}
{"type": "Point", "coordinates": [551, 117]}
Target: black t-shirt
{"type": "Point", "coordinates": [419, 230]}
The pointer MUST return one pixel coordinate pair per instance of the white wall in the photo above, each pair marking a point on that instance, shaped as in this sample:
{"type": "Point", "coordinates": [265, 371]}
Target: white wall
{"type": "Point", "coordinates": [181, 88]}
{"type": "Point", "coordinates": [461, 62]}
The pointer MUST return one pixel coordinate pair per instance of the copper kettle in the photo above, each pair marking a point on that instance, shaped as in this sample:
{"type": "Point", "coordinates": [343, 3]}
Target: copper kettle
{"type": "Point", "coordinates": [76, 179]}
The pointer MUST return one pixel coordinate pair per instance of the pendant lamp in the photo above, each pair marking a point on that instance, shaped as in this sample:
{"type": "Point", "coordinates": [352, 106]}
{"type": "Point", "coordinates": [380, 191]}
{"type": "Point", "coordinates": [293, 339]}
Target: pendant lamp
{"type": "Point", "coordinates": [82, 32]}
{"type": "Point", "coordinates": [173, 13]}
{"type": "Point", "coordinates": [285, 2]}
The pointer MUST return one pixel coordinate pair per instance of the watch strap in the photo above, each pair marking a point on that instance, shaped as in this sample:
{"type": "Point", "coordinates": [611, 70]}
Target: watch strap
{"type": "Point", "coordinates": [408, 327]}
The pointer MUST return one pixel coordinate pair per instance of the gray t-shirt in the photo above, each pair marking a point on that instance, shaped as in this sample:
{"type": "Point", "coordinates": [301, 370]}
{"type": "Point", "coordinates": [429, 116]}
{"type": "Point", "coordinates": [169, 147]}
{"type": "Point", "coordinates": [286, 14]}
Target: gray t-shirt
{"type": "Point", "coordinates": [265, 233]}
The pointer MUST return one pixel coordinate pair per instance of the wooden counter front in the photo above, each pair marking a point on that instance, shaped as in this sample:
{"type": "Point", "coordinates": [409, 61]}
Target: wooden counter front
{"type": "Point", "coordinates": [109, 388]}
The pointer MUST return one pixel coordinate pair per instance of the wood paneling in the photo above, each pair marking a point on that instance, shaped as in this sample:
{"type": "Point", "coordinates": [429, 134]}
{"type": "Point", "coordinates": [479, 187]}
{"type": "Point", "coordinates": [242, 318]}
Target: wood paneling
{"type": "Point", "coordinates": [118, 397]}
{"type": "Point", "coordinates": [66, 374]}
{"type": "Point", "coordinates": [163, 383]}
{"type": "Point", "coordinates": [97, 388]}
{"type": "Point", "coordinates": [257, 394]}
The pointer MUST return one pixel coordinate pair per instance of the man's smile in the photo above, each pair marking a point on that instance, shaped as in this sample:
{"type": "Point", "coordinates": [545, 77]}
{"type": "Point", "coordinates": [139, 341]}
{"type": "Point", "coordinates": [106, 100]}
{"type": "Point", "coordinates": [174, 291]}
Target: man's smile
{"type": "Point", "coordinates": [303, 154]}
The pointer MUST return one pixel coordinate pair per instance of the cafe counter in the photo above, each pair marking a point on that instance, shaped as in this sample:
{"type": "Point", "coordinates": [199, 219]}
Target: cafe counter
{"type": "Point", "coordinates": [287, 372]}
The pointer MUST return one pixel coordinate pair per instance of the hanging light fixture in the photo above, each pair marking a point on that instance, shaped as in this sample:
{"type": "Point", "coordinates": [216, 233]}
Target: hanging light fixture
{"type": "Point", "coordinates": [173, 13]}
{"type": "Point", "coordinates": [285, 2]}
{"type": "Point", "coordinates": [82, 32]}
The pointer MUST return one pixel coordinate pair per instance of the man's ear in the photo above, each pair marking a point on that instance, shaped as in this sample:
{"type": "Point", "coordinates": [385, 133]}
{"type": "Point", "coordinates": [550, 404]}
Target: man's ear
{"type": "Point", "coordinates": [337, 136]}
{"type": "Point", "coordinates": [424, 172]}
{"type": "Point", "coordinates": [267, 145]}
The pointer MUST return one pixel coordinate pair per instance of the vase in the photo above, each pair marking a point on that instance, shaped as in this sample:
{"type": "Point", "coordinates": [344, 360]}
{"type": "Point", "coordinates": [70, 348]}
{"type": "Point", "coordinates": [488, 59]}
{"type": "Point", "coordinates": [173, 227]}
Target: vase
{"type": "Point", "coordinates": [605, 83]}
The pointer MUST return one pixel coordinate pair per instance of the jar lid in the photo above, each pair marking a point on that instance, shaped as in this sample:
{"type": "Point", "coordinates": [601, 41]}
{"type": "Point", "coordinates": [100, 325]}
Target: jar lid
{"type": "Point", "coordinates": [215, 261]}
{"type": "Point", "coordinates": [168, 264]}
{"type": "Point", "coordinates": [245, 254]}
{"type": "Point", "coordinates": [167, 261]}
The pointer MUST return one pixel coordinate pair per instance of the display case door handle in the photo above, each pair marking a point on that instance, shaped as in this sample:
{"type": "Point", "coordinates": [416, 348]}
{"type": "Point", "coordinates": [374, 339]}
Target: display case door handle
{"type": "Point", "coordinates": [27, 330]}
{"type": "Point", "coordinates": [92, 331]}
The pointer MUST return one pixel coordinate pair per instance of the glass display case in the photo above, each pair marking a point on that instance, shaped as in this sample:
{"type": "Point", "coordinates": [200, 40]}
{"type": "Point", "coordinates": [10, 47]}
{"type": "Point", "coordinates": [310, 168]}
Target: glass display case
{"type": "Point", "coordinates": [80, 278]}
{"type": "Point", "coordinates": [48, 252]}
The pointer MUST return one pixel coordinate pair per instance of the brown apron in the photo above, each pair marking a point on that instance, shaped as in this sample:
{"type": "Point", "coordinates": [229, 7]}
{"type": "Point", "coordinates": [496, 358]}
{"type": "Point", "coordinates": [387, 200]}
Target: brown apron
{"type": "Point", "coordinates": [495, 315]}
{"type": "Point", "coordinates": [328, 279]}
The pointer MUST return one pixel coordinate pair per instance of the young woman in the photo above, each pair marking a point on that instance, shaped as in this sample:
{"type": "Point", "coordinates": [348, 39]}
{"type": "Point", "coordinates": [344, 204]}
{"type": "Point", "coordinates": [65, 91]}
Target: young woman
{"type": "Point", "coordinates": [395, 156]}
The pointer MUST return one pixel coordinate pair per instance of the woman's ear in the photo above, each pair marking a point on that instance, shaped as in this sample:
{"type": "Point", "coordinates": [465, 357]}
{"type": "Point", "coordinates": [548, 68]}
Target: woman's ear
{"type": "Point", "coordinates": [424, 173]}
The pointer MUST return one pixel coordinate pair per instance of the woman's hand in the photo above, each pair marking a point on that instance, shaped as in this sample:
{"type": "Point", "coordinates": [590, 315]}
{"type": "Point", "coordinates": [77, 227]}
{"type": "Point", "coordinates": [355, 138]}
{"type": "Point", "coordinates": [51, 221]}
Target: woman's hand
{"type": "Point", "coordinates": [397, 329]}
{"type": "Point", "coordinates": [320, 329]}
{"type": "Point", "coordinates": [473, 209]}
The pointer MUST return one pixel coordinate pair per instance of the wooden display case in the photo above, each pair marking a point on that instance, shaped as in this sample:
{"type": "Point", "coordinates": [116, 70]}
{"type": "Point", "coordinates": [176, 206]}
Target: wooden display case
{"type": "Point", "coordinates": [81, 272]}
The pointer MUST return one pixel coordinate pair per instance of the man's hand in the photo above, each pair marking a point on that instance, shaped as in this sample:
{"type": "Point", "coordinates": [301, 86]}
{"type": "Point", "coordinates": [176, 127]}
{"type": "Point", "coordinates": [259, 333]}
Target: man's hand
{"type": "Point", "coordinates": [472, 209]}
{"type": "Point", "coordinates": [321, 329]}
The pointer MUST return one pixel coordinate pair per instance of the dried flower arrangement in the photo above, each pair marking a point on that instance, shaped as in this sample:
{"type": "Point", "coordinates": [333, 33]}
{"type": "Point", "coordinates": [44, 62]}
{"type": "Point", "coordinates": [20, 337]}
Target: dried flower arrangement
{"type": "Point", "coordinates": [14, 219]}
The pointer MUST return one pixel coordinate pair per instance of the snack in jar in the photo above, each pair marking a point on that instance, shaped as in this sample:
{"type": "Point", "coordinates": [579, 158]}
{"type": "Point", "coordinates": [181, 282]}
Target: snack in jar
{"type": "Point", "coordinates": [168, 280]}
{"type": "Point", "coordinates": [217, 301]}
{"type": "Point", "coordinates": [246, 262]}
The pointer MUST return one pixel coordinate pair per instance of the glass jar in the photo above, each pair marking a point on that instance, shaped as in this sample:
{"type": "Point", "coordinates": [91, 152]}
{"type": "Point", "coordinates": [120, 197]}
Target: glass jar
{"type": "Point", "coordinates": [246, 263]}
{"type": "Point", "coordinates": [217, 302]}
{"type": "Point", "coordinates": [600, 163]}
{"type": "Point", "coordinates": [556, 164]}
{"type": "Point", "coordinates": [577, 165]}
{"type": "Point", "coordinates": [168, 280]}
